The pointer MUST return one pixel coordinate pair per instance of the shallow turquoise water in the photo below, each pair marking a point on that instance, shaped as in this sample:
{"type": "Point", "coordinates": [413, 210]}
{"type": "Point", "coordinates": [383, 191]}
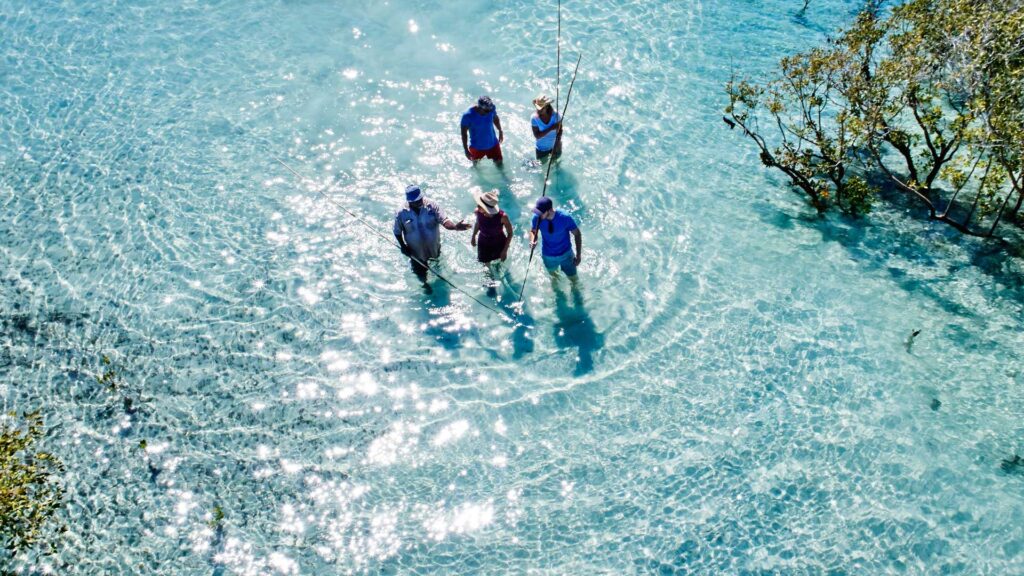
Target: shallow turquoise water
{"type": "Point", "coordinates": [731, 394]}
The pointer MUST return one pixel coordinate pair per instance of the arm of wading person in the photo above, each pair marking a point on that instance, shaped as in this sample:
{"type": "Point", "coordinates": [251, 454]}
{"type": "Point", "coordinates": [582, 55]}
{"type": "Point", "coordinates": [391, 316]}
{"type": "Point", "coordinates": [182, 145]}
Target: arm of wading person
{"type": "Point", "coordinates": [508, 235]}
{"type": "Point", "coordinates": [476, 229]}
{"type": "Point", "coordinates": [497, 124]}
{"type": "Point", "coordinates": [460, 225]}
{"type": "Point", "coordinates": [401, 237]}
{"type": "Point", "coordinates": [465, 142]}
{"type": "Point", "coordinates": [445, 221]}
{"type": "Point", "coordinates": [577, 236]}
{"type": "Point", "coordinates": [538, 133]}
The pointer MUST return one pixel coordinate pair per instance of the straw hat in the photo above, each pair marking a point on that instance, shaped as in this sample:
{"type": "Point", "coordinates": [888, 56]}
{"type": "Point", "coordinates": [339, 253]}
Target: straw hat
{"type": "Point", "coordinates": [540, 102]}
{"type": "Point", "coordinates": [487, 201]}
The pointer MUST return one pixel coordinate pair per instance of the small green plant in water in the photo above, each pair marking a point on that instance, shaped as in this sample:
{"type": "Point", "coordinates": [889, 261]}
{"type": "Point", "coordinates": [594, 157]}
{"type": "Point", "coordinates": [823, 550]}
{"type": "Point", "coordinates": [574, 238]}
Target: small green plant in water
{"type": "Point", "coordinates": [217, 522]}
{"type": "Point", "coordinates": [109, 379]}
{"type": "Point", "coordinates": [112, 380]}
{"type": "Point", "coordinates": [30, 494]}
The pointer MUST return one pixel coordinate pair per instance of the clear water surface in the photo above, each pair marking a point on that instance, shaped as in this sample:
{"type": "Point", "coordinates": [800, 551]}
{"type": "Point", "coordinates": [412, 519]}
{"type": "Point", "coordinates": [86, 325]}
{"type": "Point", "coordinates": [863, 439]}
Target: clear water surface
{"type": "Point", "coordinates": [730, 392]}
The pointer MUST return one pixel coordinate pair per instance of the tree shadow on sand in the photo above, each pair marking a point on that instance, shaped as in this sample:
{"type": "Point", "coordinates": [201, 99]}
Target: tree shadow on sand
{"type": "Point", "coordinates": [921, 244]}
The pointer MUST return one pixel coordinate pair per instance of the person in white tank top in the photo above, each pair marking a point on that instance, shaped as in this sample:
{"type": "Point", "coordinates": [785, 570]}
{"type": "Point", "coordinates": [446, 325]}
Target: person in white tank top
{"type": "Point", "coordinates": [547, 128]}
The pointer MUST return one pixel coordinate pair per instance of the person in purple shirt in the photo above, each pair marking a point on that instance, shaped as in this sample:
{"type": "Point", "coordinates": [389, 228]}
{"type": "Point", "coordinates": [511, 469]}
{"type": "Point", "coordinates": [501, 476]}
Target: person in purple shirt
{"type": "Point", "coordinates": [477, 125]}
{"type": "Point", "coordinates": [554, 228]}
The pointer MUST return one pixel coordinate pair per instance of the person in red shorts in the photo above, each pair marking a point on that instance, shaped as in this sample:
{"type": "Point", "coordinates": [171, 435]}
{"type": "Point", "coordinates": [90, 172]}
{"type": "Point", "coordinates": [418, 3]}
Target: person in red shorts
{"type": "Point", "coordinates": [478, 138]}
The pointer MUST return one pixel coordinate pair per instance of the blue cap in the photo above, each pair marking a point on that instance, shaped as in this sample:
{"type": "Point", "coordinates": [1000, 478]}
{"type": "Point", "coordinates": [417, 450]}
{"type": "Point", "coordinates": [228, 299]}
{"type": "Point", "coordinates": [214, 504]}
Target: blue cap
{"type": "Point", "coordinates": [485, 103]}
{"type": "Point", "coordinates": [413, 193]}
{"type": "Point", "coordinates": [543, 204]}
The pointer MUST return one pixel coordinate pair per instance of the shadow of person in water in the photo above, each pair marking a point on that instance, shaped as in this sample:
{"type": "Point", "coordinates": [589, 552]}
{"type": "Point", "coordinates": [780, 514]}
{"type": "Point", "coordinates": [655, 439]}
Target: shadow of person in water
{"type": "Point", "coordinates": [503, 289]}
{"type": "Point", "coordinates": [562, 181]}
{"type": "Point", "coordinates": [491, 176]}
{"type": "Point", "coordinates": [439, 315]}
{"type": "Point", "coordinates": [575, 328]}
{"type": "Point", "coordinates": [564, 187]}
{"type": "Point", "coordinates": [433, 310]}
{"type": "Point", "coordinates": [441, 318]}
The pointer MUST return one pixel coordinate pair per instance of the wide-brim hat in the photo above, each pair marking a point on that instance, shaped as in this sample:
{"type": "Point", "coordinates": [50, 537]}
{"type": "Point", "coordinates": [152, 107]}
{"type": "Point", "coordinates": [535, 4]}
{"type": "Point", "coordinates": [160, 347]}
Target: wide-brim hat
{"type": "Point", "coordinates": [487, 201]}
{"type": "Point", "coordinates": [542, 101]}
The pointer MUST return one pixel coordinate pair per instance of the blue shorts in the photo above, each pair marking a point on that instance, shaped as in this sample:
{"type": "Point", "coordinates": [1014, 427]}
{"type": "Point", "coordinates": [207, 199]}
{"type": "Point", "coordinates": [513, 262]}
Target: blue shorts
{"type": "Point", "coordinates": [566, 261]}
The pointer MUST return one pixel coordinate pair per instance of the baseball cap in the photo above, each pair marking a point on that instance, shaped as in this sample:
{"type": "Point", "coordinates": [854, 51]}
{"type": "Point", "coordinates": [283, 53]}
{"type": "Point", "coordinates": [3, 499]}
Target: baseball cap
{"type": "Point", "coordinates": [543, 204]}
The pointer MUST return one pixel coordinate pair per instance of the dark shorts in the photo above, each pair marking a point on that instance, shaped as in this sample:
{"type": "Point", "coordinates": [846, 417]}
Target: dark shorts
{"type": "Point", "coordinates": [492, 153]}
{"type": "Point", "coordinates": [419, 269]}
{"type": "Point", "coordinates": [557, 150]}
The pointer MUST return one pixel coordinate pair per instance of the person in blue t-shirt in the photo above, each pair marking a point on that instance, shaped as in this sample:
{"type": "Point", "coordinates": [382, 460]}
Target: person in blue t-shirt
{"type": "Point", "coordinates": [554, 227]}
{"type": "Point", "coordinates": [478, 124]}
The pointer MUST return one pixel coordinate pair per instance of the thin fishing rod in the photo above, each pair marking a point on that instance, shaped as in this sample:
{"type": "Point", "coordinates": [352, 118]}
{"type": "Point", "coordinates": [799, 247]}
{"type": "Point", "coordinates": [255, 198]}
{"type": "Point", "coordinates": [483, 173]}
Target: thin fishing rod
{"type": "Point", "coordinates": [561, 120]}
{"type": "Point", "coordinates": [544, 192]}
{"type": "Point", "coordinates": [373, 229]}
{"type": "Point", "coordinates": [558, 56]}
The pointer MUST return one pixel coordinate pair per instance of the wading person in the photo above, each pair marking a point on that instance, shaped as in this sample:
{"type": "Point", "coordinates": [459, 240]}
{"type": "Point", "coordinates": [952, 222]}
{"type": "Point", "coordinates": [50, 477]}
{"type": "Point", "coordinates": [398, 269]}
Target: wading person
{"type": "Point", "coordinates": [478, 138]}
{"type": "Point", "coordinates": [417, 229]}
{"type": "Point", "coordinates": [492, 232]}
{"type": "Point", "coordinates": [547, 128]}
{"type": "Point", "coordinates": [555, 228]}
